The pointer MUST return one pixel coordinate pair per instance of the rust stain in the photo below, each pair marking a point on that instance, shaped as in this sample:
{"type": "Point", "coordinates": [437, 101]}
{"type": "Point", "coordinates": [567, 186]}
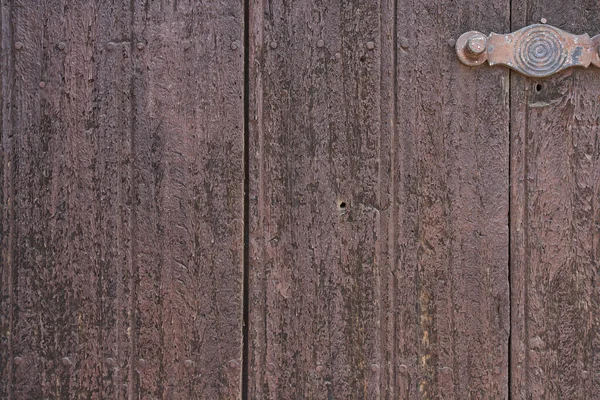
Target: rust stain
{"type": "Point", "coordinates": [426, 325]}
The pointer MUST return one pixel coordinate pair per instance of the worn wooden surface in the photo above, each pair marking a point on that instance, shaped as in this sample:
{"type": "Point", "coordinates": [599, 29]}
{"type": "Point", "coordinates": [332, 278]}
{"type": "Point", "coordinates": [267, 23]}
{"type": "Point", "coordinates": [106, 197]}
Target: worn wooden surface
{"type": "Point", "coordinates": [122, 217]}
{"type": "Point", "coordinates": [378, 203]}
{"type": "Point", "coordinates": [375, 228]}
{"type": "Point", "coordinates": [555, 179]}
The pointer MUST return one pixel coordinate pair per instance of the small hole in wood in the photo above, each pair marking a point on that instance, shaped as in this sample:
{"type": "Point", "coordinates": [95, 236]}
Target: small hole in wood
{"type": "Point", "coordinates": [538, 87]}
{"type": "Point", "coordinates": [342, 205]}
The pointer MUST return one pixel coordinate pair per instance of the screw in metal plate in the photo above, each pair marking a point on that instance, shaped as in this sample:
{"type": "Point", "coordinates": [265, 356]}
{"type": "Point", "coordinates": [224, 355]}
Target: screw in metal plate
{"type": "Point", "coordinates": [476, 45]}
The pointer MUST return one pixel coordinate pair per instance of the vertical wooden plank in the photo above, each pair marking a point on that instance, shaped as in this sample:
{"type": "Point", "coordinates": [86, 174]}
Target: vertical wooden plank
{"type": "Point", "coordinates": [63, 182]}
{"type": "Point", "coordinates": [111, 186]}
{"type": "Point", "coordinates": [379, 203]}
{"type": "Point", "coordinates": [188, 175]}
{"type": "Point", "coordinates": [313, 155]}
{"type": "Point", "coordinates": [7, 307]}
{"type": "Point", "coordinates": [449, 208]}
{"type": "Point", "coordinates": [34, 295]}
{"type": "Point", "coordinates": [122, 228]}
{"type": "Point", "coordinates": [555, 218]}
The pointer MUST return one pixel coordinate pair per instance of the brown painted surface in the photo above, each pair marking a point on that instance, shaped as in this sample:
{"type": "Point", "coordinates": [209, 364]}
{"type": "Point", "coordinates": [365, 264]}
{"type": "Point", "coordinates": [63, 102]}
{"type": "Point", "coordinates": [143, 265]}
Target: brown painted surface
{"type": "Point", "coordinates": [378, 203]}
{"type": "Point", "coordinates": [555, 179]}
{"type": "Point", "coordinates": [122, 217]}
{"type": "Point", "coordinates": [376, 232]}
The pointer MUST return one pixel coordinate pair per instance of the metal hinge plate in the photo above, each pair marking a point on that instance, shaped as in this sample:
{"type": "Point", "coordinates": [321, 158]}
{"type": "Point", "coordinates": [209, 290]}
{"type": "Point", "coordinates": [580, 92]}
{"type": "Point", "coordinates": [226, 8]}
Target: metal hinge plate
{"type": "Point", "coordinates": [537, 50]}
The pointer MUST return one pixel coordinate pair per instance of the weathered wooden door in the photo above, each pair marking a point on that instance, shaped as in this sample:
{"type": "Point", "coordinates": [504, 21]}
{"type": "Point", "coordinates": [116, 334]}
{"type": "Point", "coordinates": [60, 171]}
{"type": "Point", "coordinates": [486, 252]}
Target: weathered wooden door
{"type": "Point", "coordinates": [277, 199]}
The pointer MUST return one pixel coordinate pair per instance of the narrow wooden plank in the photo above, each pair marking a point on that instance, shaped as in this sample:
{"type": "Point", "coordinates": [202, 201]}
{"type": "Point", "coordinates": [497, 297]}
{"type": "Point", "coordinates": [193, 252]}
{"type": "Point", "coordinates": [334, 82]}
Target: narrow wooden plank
{"type": "Point", "coordinates": [555, 219]}
{"type": "Point", "coordinates": [313, 149]}
{"type": "Point", "coordinates": [109, 161]}
{"type": "Point", "coordinates": [7, 302]}
{"type": "Point", "coordinates": [64, 191]}
{"type": "Point", "coordinates": [449, 207]}
{"type": "Point", "coordinates": [188, 174]}
{"type": "Point", "coordinates": [378, 203]}
{"type": "Point", "coordinates": [29, 160]}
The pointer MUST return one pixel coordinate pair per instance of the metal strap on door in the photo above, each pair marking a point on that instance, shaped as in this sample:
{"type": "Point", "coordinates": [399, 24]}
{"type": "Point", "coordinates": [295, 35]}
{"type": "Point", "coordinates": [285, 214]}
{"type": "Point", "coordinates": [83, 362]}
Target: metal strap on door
{"type": "Point", "coordinates": [537, 50]}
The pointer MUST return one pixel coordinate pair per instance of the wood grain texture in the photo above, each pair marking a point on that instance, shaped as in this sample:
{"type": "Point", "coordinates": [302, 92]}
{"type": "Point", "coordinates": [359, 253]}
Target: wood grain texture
{"type": "Point", "coordinates": [122, 215]}
{"type": "Point", "coordinates": [555, 219]}
{"type": "Point", "coordinates": [378, 203]}
{"type": "Point", "coordinates": [189, 173]}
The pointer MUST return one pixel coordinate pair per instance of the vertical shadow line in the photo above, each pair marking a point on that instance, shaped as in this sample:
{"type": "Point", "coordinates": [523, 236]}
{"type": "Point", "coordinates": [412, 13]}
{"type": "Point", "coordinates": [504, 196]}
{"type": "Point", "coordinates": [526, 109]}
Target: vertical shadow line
{"type": "Point", "coordinates": [510, 200]}
{"type": "Point", "coordinates": [246, 156]}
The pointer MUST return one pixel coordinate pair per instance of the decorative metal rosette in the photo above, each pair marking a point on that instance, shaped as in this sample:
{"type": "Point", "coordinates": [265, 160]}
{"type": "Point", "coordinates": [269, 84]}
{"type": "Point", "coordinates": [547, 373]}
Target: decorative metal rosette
{"type": "Point", "coordinates": [539, 50]}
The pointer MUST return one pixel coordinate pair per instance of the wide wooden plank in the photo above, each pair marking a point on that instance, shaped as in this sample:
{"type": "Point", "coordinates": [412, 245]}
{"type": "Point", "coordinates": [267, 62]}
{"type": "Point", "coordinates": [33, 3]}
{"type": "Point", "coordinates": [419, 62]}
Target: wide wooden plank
{"type": "Point", "coordinates": [378, 203]}
{"type": "Point", "coordinates": [57, 295]}
{"type": "Point", "coordinates": [555, 219]}
{"type": "Point", "coordinates": [450, 208]}
{"type": "Point", "coordinates": [122, 218]}
{"type": "Point", "coordinates": [189, 177]}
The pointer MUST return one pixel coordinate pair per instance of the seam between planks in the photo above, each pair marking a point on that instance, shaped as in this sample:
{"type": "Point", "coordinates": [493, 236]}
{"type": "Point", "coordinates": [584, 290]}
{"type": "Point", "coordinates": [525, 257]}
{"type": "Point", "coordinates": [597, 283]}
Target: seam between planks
{"type": "Point", "coordinates": [510, 236]}
{"type": "Point", "coordinates": [246, 230]}
{"type": "Point", "coordinates": [509, 216]}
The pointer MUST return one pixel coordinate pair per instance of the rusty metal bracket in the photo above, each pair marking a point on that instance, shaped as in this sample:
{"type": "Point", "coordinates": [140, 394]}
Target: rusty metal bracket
{"type": "Point", "coordinates": [537, 50]}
